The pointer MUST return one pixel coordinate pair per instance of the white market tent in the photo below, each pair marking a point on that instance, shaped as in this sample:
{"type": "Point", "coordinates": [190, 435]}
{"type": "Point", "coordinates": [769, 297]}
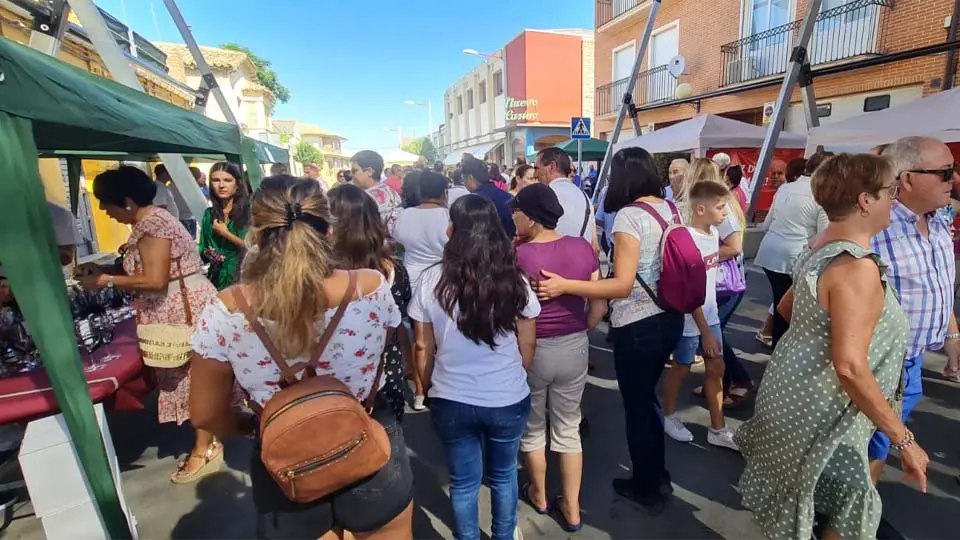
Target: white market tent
{"type": "Point", "coordinates": [936, 116]}
{"type": "Point", "coordinates": [707, 131]}
{"type": "Point", "coordinates": [399, 157]}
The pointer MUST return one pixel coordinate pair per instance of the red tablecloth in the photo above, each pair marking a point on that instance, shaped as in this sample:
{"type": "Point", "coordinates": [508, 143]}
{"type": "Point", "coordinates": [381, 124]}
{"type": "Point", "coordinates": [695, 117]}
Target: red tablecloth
{"type": "Point", "coordinates": [121, 384]}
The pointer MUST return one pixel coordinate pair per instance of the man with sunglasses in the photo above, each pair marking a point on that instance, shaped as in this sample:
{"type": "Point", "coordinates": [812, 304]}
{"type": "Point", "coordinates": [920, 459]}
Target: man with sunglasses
{"type": "Point", "coordinates": [918, 247]}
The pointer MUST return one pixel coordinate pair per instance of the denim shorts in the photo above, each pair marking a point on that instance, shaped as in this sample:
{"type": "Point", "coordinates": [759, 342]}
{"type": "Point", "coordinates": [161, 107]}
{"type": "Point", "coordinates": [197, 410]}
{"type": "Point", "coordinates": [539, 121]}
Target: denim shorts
{"type": "Point", "coordinates": [689, 347]}
{"type": "Point", "coordinates": [365, 506]}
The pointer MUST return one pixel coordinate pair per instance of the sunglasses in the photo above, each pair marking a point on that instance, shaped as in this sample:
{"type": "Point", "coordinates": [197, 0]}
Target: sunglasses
{"type": "Point", "coordinates": [945, 174]}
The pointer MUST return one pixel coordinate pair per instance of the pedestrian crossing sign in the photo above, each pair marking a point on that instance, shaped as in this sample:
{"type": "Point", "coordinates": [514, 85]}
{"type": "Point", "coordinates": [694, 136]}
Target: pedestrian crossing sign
{"type": "Point", "coordinates": [579, 128]}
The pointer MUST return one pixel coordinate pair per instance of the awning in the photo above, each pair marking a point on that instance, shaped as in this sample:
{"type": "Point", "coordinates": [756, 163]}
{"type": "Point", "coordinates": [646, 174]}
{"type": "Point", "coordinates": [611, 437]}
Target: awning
{"type": "Point", "coordinates": [479, 151]}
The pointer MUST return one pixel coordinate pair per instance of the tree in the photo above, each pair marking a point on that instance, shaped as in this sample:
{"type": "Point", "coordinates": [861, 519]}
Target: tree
{"type": "Point", "coordinates": [265, 74]}
{"type": "Point", "coordinates": [305, 153]}
{"type": "Point", "coordinates": [422, 146]}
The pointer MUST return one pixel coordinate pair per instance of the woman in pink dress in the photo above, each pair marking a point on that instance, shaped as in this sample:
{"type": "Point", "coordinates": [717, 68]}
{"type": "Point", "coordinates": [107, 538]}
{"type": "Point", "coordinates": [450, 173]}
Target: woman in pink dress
{"type": "Point", "coordinates": [158, 253]}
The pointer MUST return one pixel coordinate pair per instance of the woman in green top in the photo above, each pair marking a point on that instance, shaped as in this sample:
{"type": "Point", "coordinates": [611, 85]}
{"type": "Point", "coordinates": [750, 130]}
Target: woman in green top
{"type": "Point", "coordinates": [225, 224]}
{"type": "Point", "coordinates": [833, 378]}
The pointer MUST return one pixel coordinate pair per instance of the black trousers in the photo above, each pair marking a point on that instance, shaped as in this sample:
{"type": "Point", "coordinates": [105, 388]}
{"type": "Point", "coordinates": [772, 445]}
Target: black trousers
{"type": "Point", "coordinates": [779, 285]}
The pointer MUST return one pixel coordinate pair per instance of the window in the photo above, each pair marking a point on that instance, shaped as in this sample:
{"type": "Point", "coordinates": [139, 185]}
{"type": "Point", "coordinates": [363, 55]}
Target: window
{"type": "Point", "coordinates": [459, 104]}
{"type": "Point", "coordinates": [469, 100]}
{"type": "Point", "coordinates": [762, 15]}
{"type": "Point", "coordinates": [664, 45]}
{"type": "Point", "coordinates": [824, 110]}
{"type": "Point", "coordinates": [483, 92]}
{"type": "Point", "coordinates": [623, 59]}
{"type": "Point", "coordinates": [876, 103]}
{"type": "Point", "coordinates": [498, 83]}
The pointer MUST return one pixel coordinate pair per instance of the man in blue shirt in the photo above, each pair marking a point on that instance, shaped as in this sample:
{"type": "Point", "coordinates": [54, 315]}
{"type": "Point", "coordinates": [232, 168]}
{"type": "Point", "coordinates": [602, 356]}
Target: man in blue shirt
{"type": "Point", "coordinates": [476, 178]}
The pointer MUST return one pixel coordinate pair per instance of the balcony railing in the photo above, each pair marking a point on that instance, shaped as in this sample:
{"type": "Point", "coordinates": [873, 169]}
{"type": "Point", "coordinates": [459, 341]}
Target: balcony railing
{"type": "Point", "coordinates": [652, 86]}
{"type": "Point", "coordinates": [848, 31]}
{"type": "Point", "coordinates": [608, 10]}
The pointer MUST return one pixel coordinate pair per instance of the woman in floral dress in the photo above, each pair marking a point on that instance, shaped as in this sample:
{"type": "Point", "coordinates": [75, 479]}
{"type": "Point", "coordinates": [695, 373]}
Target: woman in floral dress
{"type": "Point", "coordinates": [158, 253]}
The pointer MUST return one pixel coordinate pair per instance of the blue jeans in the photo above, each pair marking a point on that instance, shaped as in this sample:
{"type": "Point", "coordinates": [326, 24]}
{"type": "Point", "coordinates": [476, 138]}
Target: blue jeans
{"type": "Point", "coordinates": [467, 432]}
{"type": "Point", "coordinates": [733, 370]}
{"type": "Point", "coordinates": [640, 350]}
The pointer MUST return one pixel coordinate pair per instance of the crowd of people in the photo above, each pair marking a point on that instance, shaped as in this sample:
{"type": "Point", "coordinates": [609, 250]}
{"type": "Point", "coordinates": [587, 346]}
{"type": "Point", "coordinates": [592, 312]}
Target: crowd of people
{"type": "Point", "coordinates": [481, 290]}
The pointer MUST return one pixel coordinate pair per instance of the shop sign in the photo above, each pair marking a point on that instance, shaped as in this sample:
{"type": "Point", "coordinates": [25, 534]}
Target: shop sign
{"type": "Point", "coordinates": [517, 109]}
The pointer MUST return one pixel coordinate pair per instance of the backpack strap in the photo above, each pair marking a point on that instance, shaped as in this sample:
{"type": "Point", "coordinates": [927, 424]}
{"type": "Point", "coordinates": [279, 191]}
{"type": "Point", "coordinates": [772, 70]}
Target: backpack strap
{"type": "Point", "coordinates": [288, 374]}
{"type": "Point", "coordinates": [586, 213]}
{"type": "Point", "coordinates": [663, 225]}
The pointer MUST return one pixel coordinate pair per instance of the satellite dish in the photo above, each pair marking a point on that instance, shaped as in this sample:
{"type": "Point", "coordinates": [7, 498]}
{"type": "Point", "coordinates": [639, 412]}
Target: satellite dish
{"type": "Point", "coordinates": [676, 66]}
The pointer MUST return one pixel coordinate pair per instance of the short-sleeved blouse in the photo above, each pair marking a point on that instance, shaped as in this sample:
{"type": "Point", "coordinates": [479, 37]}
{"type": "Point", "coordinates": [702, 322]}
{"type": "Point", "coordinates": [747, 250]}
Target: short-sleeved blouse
{"type": "Point", "coordinates": [637, 223]}
{"type": "Point", "coordinates": [352, 355]}
{"type": "Point", "coordinates": [159, 223]}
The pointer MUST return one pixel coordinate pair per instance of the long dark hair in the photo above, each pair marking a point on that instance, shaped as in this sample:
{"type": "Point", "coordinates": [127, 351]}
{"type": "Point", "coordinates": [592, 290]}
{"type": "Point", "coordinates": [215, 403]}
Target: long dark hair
{"type": "Point", "coordinates": [359, 236]}
{"type": "Point", "coordinates": [240, 213]}
{"type": "Point", "coordinates": [480, 279]}
{"type": "Point", "coordinates": [633, 174]}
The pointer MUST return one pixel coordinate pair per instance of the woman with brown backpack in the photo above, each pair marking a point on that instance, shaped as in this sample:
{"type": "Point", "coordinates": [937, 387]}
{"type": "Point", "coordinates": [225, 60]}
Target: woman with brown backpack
{"type": "Point", "coordinates": [306, 341]}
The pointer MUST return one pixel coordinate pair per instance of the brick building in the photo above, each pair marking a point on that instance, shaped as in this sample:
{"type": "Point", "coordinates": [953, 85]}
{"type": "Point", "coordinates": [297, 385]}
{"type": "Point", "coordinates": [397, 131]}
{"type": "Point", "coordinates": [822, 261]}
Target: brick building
{"type": "Point", "coordinates": [736, 52]}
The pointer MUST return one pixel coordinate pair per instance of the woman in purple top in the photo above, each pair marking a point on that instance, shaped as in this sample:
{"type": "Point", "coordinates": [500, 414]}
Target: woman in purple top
{"type": "Point", "coordinates": [559, 368]}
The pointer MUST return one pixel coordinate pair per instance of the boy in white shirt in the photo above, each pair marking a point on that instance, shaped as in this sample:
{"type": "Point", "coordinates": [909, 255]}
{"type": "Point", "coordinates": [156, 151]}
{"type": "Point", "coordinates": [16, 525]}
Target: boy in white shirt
{"type": "Point", "coordinates": [701, 330]}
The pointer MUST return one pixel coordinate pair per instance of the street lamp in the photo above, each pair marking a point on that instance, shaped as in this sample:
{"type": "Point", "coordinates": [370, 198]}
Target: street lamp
{"type": "Point", "coordinates": [429, 107]}
{"type": "Point", "coordinates": [474, 52]}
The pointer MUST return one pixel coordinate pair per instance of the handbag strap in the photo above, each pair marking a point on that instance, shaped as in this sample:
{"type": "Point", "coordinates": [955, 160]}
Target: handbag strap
{"type": "Point", "coordinates": [586, 213]}
{"type": "Point", "coordinates": [285, 370]}
{"type": "Point", "coordinates": [183, 294]}
{"type": "Point", "coordinates": [663, 225]}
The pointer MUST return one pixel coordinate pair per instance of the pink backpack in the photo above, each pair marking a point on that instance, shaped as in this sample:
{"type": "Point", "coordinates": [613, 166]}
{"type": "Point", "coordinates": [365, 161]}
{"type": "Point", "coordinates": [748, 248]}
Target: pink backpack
{"type": "Point", "coordinates": [683, 274]}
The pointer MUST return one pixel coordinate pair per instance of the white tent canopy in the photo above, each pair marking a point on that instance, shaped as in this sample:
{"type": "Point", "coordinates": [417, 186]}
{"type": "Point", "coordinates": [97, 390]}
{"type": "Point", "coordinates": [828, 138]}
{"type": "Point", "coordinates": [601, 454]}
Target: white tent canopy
{"type": "Point", "coordinates": [399, 157]}
{"type": "Point", "coordinates": [707, 131]}
{"type": "Point", "coordinates": [935, 116]}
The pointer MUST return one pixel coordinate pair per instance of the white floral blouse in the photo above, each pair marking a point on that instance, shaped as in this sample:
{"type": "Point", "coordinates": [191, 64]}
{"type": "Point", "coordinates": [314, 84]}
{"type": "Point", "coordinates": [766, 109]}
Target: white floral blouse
{"type": "Point", "coordinates": [351, 356]}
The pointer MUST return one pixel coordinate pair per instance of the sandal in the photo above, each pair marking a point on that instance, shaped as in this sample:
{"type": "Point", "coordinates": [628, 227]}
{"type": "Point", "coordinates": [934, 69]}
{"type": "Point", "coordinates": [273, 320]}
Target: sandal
{"type": "Point", "coordinates": [525, 495]}
{"type": "Point", "coordinates": [212, 459]}
{"type": "Point", "coordinates": [737, 395]}
{"type": "Point", "coordinates": [564, 524]}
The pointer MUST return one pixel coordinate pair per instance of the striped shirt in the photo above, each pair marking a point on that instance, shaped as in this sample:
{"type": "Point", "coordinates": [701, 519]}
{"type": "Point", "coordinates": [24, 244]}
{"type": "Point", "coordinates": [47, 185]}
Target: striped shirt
{"type": "Point", "coordinates": [922, 271]}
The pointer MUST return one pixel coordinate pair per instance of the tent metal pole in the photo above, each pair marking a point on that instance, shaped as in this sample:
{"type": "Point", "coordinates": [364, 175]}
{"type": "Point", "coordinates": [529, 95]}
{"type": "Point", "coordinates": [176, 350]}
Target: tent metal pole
{"type": "Point", "coordinates": [123, 72]}
{"type": "Point", "coordinates": [208, 80]}
{"type": "Point", "coordinates": [628, 105]}
{"type": "Point", "coordinates": [48, 29]}
{"type": "Point", "coordinates": [798, 58]}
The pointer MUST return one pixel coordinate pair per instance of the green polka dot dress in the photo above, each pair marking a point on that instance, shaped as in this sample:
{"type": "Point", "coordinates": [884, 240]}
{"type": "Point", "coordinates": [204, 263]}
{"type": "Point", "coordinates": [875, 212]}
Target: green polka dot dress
{"type": "Point", "coordinates": [806, 446]}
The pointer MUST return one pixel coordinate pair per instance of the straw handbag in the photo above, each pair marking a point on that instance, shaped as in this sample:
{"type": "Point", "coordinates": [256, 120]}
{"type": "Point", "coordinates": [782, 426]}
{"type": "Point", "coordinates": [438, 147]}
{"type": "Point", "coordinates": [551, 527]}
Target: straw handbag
{"type": "Point", "coordinates": [167, 345]}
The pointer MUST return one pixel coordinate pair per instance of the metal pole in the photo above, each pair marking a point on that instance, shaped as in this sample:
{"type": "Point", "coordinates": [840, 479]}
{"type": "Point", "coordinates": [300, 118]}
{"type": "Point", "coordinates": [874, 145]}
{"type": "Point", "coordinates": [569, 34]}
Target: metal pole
{"type": "Point", "coordinates": [628, 97]}
{"type": "Point", "coordinates": [798, 57]}
{"type": "Point", "coordinates": [48, 32]}
{"type": "Point", "coordinates": [580, 161]}
{"type": "Point", "coordinates": [202, 64]}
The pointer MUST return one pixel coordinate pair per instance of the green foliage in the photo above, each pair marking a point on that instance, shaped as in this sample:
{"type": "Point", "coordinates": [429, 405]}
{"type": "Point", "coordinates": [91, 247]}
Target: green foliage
{"type": "Point", "coordinates": [305, 152]}
{"type": "Point", "coordinates": [422, 146]}
{"type": "Point", "coordinates": [265, 75]}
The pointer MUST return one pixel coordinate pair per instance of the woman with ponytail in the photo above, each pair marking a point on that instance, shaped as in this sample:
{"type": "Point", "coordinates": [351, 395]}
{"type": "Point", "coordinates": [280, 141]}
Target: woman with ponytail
{"type": "Point", "coordinates": [291, 286]}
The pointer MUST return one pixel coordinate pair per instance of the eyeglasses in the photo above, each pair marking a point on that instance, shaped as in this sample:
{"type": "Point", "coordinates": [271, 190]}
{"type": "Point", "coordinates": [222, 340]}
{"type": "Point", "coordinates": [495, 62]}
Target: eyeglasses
{"type": "Point", "coordinates": [893, 189]}
{"type": "Point", "coordinates": [945, 174]}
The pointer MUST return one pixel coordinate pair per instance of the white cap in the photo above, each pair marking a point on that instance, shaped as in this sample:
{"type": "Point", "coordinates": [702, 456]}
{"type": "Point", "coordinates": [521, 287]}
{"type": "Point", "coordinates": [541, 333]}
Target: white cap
{"type": "Point", "coordinates": [722, 160]}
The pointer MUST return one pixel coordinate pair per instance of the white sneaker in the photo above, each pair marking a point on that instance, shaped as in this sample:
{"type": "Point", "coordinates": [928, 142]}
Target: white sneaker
{"type": "Point", "coordinates": [418, 403]}
{"type": "Point", "coordinates": [722, 438]}
{"type": "Point", "coordinates": [674, 428]}
{"type": "Point", "coordinates": [517, 534]}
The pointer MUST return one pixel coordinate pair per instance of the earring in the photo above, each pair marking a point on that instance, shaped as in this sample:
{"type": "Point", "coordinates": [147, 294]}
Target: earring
{"type": "Point", "coordinates": [127, 208]}
{"type": "Point", "coordinates": [864, 213]}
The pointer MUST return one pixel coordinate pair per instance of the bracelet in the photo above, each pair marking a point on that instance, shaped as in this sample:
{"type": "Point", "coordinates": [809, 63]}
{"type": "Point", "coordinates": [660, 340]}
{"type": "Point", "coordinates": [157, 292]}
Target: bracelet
{"type": "Point", "coordinates": [908, 440]}
{"type": "Point", "coordinates": [952, 337]}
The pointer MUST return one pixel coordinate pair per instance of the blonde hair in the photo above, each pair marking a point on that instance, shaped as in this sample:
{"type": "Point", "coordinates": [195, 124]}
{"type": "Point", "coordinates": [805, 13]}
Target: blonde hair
{"type": "Point", "coordinates": [706, 170]}
{"type": "Point", "coordinates": [290, 259]}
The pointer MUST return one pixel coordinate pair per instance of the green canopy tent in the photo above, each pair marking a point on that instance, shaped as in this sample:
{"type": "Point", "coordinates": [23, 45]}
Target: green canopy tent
{"type": "Point", "coordinates": [266, 154]}
{"type": "Point", "coordinates": [47, 105]}
{"type": "Point", "coordinates": [593, 149]}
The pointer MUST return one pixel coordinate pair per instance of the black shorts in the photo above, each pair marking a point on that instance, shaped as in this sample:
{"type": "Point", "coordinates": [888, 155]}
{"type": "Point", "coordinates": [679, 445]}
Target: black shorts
{"type": "Point", "coordinates": [364, 507]}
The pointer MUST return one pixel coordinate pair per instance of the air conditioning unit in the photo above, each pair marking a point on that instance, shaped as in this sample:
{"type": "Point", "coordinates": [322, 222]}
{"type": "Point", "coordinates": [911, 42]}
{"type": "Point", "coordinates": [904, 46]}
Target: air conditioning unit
{"type": "Point", "coordinates": [742, 69]}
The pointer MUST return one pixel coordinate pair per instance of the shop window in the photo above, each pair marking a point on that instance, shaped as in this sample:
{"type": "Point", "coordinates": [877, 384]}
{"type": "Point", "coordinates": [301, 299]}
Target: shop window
{"type": "Point", "coordinates": [876, 103]}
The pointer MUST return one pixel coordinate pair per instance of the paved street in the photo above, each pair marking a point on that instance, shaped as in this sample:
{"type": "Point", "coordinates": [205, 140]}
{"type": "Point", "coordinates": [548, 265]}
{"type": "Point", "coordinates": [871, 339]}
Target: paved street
{"type": "Point", "coordinates": [706, 504]}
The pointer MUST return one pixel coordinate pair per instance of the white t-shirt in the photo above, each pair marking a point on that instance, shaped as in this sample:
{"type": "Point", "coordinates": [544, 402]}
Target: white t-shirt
{"type": "Point", "coordinates": [352, 355]}
{"type": "Point", "coordinates": [455, 193]}
{"type": "Point", "coordinates": [794, 219]}
{"type": "Point", "coordinates": [423, 233]}
{"type": "Point", "coordinates": [464, 371]}
{"type": "Point", "coordinates": [575, 204]}
{"type": "Point", "coordinates": [637, 223]}
{"type": "Point", "coordinates": [164, 199]}
{"type": "Point", "coordinates": [709, 245]}
{"type": "Point", "coordinates": [65, 230]}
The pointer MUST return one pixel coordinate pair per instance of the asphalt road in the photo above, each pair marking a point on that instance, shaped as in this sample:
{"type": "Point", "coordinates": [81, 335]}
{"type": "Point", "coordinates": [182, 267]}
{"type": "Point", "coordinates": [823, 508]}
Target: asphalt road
{"type": "Point", "coordinates": [705, 506]}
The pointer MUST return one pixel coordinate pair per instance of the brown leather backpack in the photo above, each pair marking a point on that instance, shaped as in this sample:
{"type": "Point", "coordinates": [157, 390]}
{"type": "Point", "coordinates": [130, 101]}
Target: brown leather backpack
{"type": "Point", "coordinates": [315, 436]}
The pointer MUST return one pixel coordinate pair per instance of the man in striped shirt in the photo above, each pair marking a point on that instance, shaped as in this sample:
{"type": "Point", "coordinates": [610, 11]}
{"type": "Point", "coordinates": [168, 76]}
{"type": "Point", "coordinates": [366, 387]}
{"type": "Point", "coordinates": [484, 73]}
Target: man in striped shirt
{"type": "Point", "coordinates": [918, 248]}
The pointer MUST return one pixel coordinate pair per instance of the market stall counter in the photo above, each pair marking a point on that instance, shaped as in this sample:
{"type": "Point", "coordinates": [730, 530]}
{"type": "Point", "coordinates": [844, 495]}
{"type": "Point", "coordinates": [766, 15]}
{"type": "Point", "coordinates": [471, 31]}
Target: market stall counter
{"type": "Point", "coordinates": [119, 383]}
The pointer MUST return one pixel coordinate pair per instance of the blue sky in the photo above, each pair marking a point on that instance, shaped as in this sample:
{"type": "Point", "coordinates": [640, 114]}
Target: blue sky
{"type": "Point", "coordinates": [350, 64]}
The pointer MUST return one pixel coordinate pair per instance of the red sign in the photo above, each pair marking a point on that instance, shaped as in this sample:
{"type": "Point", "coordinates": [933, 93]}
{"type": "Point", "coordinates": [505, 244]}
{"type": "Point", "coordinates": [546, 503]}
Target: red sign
{"type": "Point", "coordinates": [776, 174]}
